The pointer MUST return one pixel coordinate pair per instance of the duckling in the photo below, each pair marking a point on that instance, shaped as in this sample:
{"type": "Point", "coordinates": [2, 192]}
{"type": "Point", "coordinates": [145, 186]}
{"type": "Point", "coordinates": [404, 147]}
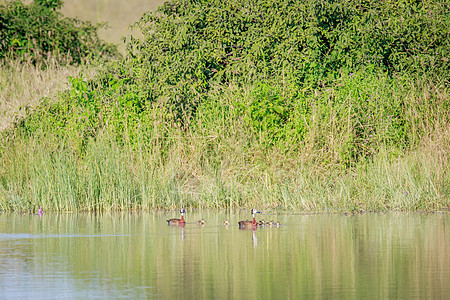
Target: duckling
{"type": "Point", "coordinates": [277, 223]}
{"type": "Point", "coordinates": [270, 223]}
{"type": "Point", "coordinates": [244, 224]}
{"type": "Point", "coordinates": [201, 222]}
{"type": "Point", "coordinates": [262, 223]}
{"type": "Point", "coordinates": [178, 221]}
{"type": "Point", "coordinates": [226, 223]}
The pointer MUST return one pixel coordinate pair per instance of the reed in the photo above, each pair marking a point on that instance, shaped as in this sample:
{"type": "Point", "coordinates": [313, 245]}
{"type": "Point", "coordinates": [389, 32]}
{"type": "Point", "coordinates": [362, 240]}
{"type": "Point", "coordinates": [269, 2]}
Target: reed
{"type": "Point", "coordinates": [217, 164]}
{"type": "Point", "coordinates": [379, 186]}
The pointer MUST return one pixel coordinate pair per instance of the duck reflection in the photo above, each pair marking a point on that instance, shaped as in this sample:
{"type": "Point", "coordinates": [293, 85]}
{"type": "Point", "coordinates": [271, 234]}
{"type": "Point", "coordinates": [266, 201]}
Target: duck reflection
{"type": "Point", "coordinates": [183, 236]}
{"type": "Point", "coordinates": [254, 238]}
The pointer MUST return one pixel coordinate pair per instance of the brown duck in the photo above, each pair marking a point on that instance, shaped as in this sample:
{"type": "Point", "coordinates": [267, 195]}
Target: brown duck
{"type": "Point", "coordinates": [249, 224]}
{"type": "Point", "coordinates": [178, 221]}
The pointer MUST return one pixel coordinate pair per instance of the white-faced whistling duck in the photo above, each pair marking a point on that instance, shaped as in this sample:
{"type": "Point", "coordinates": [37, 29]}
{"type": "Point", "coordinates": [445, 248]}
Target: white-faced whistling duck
{"type": "Point", "coordinates": [249, 224]}
{"type": "Point", "coordinates": [178, 221]}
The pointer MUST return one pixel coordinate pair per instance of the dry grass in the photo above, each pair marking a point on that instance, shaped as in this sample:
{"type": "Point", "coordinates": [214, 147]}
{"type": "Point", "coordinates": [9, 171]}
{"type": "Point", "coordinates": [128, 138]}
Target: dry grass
{"type": "Point", "coordinates": [118, 14]}
{"type": "Point", "coordinates": [24, 85]}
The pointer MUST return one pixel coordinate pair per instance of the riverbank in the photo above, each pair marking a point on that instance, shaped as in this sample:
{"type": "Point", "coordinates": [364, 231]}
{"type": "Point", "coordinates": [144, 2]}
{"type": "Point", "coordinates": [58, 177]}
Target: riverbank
{"type": "Point", "coordinates": [219, 163]}
{"type": "Point", "coordinates": [111, 179]}
{"type": "Point", "coordinates": [285, 111]}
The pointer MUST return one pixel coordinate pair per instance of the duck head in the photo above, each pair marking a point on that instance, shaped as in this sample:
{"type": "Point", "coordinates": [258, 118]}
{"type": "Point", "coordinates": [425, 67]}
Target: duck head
{"type": "Point", "coordinates": [254, 211]}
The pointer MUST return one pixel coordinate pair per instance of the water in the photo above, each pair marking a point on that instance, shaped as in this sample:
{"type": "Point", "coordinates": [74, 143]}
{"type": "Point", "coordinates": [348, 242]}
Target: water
{"type": "Point", "coordinates": [137, 255]}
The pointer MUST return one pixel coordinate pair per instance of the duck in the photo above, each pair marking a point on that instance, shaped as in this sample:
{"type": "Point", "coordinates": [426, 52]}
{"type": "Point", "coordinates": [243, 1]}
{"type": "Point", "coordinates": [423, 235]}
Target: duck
{"type": "Point", "coordinates": [201, 222]}
{"type": "Point", "coordinates": [269, 223]}
{"type": "Point", "coordinates": [277, 223]}
{"type": "Point", "coordinates": [226, 223]}
{"type": "Point", "coordinates": [247, 224]}
{"type": "Point", "coordinates": [178, 221]}
{"type": "Point", "coordinates": [262, 222]}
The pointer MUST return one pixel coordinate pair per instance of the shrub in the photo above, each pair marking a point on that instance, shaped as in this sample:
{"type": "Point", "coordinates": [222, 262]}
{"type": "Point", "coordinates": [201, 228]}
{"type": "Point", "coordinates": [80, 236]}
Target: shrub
{"type": "Point", "coordinates": [37, 30]}
{"type": "Point", "coordinates": [328, 75]}
{"type": "Point", "coordinates": [189, 46]}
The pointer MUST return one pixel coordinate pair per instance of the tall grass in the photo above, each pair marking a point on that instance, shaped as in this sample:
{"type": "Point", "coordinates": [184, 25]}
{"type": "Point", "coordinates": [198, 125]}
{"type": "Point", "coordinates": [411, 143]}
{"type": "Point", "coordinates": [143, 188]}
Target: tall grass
{"type": "Point", "coordinates": [218, 162]}
{"type": "Point", "coordinates": [24, 85]}
{"type": "Point", "coordinates": [108, 178]}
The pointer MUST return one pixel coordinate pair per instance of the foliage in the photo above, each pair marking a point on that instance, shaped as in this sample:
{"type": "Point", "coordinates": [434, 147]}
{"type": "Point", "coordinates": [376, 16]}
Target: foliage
{"type": "Point", "coordinates": [228, 103]}
{"type": "Point", "coordinates": [37, 30]}
{"type": "Point", "coordinates": [190, 45]}
{"type": "Point", "coordinates": [290, 64]}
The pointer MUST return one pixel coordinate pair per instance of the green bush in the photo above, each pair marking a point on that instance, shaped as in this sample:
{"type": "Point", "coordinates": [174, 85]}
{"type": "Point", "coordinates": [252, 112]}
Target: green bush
{"type": "Point", "coordinates": [189, 46]}
{"type": "Point", "coordinates": [38, 30]}
{"type": "Point", "coordinates": [336, 77]}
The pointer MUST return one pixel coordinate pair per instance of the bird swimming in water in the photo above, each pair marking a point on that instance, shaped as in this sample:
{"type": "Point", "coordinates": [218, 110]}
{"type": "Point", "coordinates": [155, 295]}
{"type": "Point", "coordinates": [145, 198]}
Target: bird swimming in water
{"type": "Point", "coordinates": [226, 223]}
{"type": "Point", "coordinates": [249, 224]}
{"type": "Point", "coordinates": [201, 222]}
{"type": "Point", "coordinates": [178, 221]}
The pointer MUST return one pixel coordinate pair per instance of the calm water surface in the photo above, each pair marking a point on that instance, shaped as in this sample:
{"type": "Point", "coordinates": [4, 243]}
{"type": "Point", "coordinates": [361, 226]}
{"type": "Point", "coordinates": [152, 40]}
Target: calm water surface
{"type": "Point", "coordinates": [74, 256]}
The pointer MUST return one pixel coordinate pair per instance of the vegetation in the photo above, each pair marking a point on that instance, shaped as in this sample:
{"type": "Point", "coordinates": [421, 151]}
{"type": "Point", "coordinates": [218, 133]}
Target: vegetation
{"type": "Point", "coordinates": [304, 105]}
{"type": "Point", "coordinates": [36, 31]}
{"type": "Point", "coordinates": [24, 85]}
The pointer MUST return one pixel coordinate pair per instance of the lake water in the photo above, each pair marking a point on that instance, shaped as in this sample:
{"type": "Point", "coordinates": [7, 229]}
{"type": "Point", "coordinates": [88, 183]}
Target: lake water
{"type": "Point", "coordinates": [137, 255]}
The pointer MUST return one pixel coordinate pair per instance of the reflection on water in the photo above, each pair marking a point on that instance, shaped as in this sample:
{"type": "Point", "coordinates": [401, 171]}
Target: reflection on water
{"type": "Point", "coordinates": [139, 255]}
{"type": "Point", "coordinates": [254, 238]}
